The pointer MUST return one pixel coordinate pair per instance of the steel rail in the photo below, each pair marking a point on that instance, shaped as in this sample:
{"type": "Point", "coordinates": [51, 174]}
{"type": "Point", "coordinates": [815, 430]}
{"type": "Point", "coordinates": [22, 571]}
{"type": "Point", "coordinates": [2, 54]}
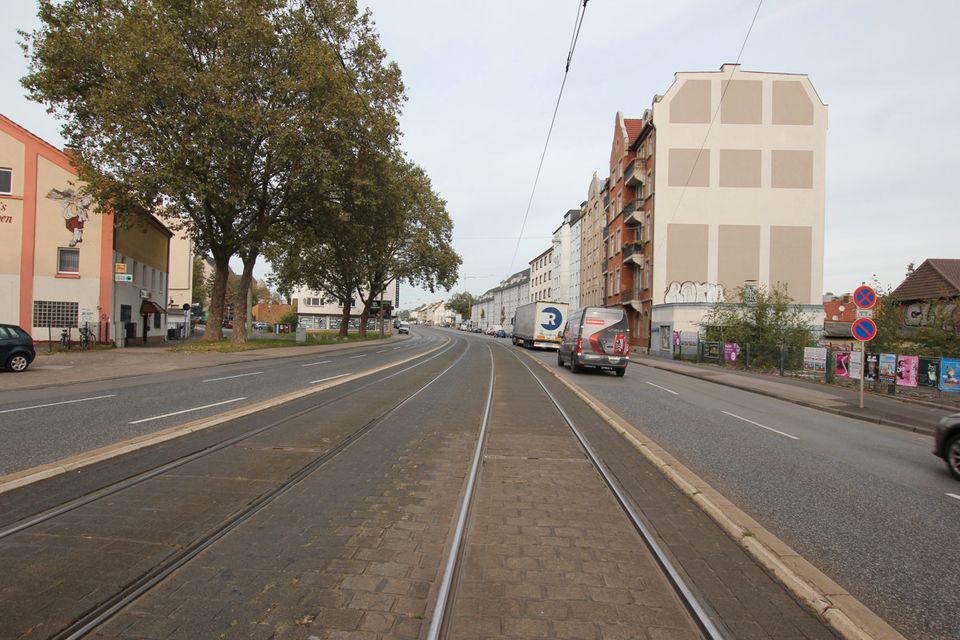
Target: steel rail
{"type": "Point", "coordinates": [689, 599]}
{"type": "Point", "coordinates": [126, 483]}
{"type": "Point", "coordinates": [444, 594]}
{"type": "Point", "coordinates": [103, 612]}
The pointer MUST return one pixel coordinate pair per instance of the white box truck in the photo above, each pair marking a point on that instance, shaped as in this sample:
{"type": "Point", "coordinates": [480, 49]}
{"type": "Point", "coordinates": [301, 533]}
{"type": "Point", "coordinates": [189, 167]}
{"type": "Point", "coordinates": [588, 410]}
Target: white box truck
{"type": "Point", "coordinates": [539, 324]}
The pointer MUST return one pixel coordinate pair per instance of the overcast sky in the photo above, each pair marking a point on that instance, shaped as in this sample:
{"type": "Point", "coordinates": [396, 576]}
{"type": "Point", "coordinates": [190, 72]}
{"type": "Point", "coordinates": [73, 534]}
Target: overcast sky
{"type": "Point", "coordinates": [482, 80]}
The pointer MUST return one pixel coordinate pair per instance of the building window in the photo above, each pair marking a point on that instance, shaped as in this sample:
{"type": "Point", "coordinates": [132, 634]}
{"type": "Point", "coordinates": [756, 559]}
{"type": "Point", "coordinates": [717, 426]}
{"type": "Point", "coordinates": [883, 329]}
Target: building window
{"type": "Point", "coordinates": [47, 313]}
{"type": "Point", "coordinates": [617, 282]}
{"type": "Point", "coordinates": [6, 180]}
{"type": "Point", "coordinates": [156, 321]}
{"type": "Point", "coordinates": [68, 261]}
{"type": "Point", "coordinates": [619, 241]}
{"type": "Point", "coordinates": [126, 313]}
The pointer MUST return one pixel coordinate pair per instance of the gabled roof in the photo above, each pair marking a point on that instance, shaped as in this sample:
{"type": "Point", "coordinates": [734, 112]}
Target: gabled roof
{"type": "Point", "coordinates": [935, 278]}
{"type": "Point", "coordinates": [634, 127]}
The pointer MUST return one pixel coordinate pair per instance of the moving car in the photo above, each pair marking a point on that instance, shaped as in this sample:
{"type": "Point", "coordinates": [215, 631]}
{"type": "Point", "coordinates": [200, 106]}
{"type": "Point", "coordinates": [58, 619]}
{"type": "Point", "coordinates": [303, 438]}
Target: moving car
{"type": "Point", "coordinates": [500, 333]}
{"type": "Point", "coordinates": [404, 328]}
{"type": "Point", "coordinates": [596, 337]}
{"type": "Point", "coordinates": [16, 348]}
{"type": "Point", "coordinates": [946, 443]}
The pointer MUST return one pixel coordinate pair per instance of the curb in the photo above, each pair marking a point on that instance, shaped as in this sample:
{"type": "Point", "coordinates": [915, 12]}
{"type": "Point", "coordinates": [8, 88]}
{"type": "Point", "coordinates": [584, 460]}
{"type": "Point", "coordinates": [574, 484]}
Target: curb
{"type": "Point", "coordinates": [849, 618]}
{"type": "Point", "coordinates": [76, 462]}
{"type": "Point", "coordinates": [846, 413]}
{"type": "Point", "coordinates": [330, 348]}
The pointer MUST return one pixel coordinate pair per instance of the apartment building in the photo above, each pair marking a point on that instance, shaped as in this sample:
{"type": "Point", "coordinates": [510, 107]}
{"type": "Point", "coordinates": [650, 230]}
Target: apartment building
{"type": "Point", "coordinates": [541, 276]}
{"type": "Point", "coordinates": [739, 171]}
{"type": "Point", "coordinates": [592, 256]}
{"type": "Point", "coordinates": [498, 305]}
{"type": "Point", "coordinates": [623, 225]}
{"type": "Point", "coordinates": [560, 263]}
{"type": "Point", "coordinates": [574, 219]}
{"type": "Point", "coordinates": [320, 311]}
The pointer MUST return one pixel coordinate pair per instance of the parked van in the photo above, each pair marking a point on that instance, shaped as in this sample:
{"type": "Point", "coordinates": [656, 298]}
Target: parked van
{"type": "Point", "coordinates": [596, 337]}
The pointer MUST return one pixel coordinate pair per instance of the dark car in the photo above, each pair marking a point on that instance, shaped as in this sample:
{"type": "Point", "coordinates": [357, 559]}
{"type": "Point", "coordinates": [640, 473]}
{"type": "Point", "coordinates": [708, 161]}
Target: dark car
{"type": "Point", "coordinates": [946, 443]}
{"type": "Point", "coordinates": [596, 337]}
{"type": "Point", "coordinates": [227, 324]}
{"type": "Point", "coordinates": [16, 348]}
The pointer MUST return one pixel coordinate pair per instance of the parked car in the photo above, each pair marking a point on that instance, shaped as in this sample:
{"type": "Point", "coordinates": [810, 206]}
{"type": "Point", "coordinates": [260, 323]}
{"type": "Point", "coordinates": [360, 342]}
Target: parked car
{"type": "Point", "coordinates": [404, 328]}
{"type": "Point", "coordinates": [16, 348]}
{"type": "Point", "coordinates": [477, 330]}
{"type": "Point", "coordinates": [946, 443]}
{"type": "Point", "coordinates": [228, 324]}
{"type": "Point", "coordinates": [500, 333]}
{"type": "Point", "coordinates": [202, 322]}
{"type": "Point", "coordinates": [596, 337]}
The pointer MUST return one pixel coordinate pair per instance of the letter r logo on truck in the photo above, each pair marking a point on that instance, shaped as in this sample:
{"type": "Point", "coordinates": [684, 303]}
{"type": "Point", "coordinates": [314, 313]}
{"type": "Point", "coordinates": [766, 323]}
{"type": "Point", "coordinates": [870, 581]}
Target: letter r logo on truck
{"type": "Point", "coordinates": [556, 319]}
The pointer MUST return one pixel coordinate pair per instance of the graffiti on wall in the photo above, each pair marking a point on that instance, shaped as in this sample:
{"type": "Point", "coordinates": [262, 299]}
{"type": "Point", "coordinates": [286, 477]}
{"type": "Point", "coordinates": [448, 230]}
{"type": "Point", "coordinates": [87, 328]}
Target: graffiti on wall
{"type": "Point", "coordinates": [693, 292]}
{"type": "Point", "coordinates": [76, 211]}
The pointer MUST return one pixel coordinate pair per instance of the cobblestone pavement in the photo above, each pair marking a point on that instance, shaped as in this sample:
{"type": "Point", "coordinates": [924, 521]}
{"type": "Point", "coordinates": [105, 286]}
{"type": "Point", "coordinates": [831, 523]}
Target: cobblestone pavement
{"type": "Point", "coordinates": [549, 552]}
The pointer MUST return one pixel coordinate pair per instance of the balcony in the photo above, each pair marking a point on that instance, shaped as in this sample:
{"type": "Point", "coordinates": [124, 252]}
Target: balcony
{"type": "Point", "coordinates": [606, 199]}
{"type": "Point", "coordinates": [633, 212]}
{"type": "Point", "coordinates": [633, 298]}
{"type": "Point", "coordinates": [633, 253]}
{"type": "Point", "coordinates": [606, 231]}
{"type": "Point", "coordinates": [633, 176]}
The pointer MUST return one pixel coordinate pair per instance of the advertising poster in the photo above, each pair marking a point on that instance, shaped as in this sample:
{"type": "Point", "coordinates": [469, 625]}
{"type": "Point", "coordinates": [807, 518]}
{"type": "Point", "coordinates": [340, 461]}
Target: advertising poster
{"type": "Point", "coordinates": [814, 358]}
{"type": "Point", "coordinates": [871, 371]}
{"type": "Point", "coordinates": [842, 367]}
{"type": "Point", "coordinates": [731, 351]}
{"type": "Point", "coordinates": [907, 370]}
{"type": "Point", "coordinates": [711, 351]}
{"type": "Point", "coordinates": [888, 367]}
{"type": "Point", "coordinates": [855, 358]}
{"type": "Point", "coordinates": [950, 374]}
{"type": "Point", "coordinates": [928, 373]}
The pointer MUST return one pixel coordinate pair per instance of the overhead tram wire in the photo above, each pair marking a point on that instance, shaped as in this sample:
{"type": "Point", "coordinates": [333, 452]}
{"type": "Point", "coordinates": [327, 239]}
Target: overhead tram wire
{"type": "Point", "coordinates": [577, 23]}
{"type": "Point", "coordinates": [716, 111]}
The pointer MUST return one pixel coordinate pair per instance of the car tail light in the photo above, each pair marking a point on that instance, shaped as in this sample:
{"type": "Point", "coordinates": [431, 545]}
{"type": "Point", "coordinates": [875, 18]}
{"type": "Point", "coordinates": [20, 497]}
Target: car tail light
{"type": "Point", "coordinates": [579, 346]}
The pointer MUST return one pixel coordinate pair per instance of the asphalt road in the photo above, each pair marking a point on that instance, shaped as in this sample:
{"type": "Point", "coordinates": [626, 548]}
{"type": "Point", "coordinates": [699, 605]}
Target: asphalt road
{"type": "Point", "coordinates": [38, 426]}
{"type": "Point", "coordinates": [868, 505]}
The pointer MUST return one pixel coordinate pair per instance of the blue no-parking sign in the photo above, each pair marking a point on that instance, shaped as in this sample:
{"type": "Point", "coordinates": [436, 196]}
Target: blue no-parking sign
{"type": "Point", "coordinates": [864, 329]}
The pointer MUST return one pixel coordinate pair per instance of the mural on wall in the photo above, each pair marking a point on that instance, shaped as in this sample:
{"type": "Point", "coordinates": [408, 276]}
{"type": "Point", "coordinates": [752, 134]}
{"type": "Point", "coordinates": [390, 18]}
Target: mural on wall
{"type": "Point", "coordinates": [76, 211]}
{"type": "Point", "coordinates": [693, 292]}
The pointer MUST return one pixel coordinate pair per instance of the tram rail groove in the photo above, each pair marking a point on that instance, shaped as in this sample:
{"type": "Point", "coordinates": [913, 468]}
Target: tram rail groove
{"type": "Point", "coordinates": [690, 601]}
{"type": "Point", "coordinates": [126, 483]}
{"type": "Point", "coordinates": [96, 616]}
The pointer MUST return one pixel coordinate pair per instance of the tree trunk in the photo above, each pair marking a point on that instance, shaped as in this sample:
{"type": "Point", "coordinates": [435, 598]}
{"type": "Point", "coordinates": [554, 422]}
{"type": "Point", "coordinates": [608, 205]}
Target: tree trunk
{"type": "Point", "coordinates": [345, 319]}
{"type": "Point", "coordinates": [214, 328]}
{"type": "Point", "coordinates": [240, 301]}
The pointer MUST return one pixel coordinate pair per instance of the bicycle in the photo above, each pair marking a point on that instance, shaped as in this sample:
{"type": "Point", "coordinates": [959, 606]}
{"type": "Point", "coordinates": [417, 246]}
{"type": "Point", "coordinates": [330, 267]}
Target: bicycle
{"type": "Point", "coordinates": [85, 337]}
{"type": "Point", "coordinates": [65, 339]}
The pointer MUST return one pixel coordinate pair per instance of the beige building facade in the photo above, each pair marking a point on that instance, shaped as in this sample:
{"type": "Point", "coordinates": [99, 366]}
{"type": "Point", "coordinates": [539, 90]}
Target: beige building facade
{"type": "Point", "coordinates": [541, 276]}
{"type": "Point", "coordinates": [739, 202]}
{"type": "Point", "coordinates": [592, 255]}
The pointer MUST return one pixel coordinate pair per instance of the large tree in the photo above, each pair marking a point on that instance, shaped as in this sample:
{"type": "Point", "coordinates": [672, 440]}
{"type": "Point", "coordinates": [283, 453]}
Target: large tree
{"type": "Point", "coordinates": [462, 303]}
{"type": "Point", "coordinates": [228, 112]}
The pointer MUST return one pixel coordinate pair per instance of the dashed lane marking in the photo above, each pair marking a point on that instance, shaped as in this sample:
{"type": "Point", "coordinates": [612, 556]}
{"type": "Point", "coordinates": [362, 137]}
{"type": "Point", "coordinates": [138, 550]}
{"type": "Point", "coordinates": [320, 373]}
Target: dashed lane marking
{"type": "Point", "coordinates": [313, 364]}
{"type": "Point", "coordinates": [239, 375]}
{"type": "Point", "coordinates": [362, 355]}
{"type": "Point", "coordinates": [330, 378]}
{"type": "Point", "coordinates": [664, 388]}
{"type": "Point", "coordinates": [177, 413]}
{"type": "Point", "coordinates": [953, 495]}
{"type": "Point", "coordinates": [757, 424]}
{"type": "Point", "coordinates": [54, 404]}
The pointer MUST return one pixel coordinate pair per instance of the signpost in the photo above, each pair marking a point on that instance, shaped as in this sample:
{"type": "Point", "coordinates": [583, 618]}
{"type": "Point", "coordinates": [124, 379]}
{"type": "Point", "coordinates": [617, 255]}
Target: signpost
{"type": "Point", "coordinates": [864, 328]}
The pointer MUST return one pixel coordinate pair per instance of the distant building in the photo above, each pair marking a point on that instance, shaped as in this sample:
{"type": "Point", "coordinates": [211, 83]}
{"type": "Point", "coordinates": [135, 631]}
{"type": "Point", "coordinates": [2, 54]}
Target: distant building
{"type": "Point", "coordinates": [592, 256]}
{"type": "Point", "coordinates": [498, 305]}
{"type": "Point", "coordinates": [935, 279]}
{"type": "Point", "coordinates": [541, 276]}
{"type": "Point", "coordinates": [574, 219]}
{"type": "Point", "coordinates": [270, 312]}
{"type": "Point", "coordinates": [320, 311]}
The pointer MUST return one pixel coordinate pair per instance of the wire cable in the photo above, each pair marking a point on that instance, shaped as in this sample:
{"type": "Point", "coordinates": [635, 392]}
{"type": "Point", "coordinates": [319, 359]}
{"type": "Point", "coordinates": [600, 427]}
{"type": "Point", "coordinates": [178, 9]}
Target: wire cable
{"type": "Point", "coordinates": [577, 24]}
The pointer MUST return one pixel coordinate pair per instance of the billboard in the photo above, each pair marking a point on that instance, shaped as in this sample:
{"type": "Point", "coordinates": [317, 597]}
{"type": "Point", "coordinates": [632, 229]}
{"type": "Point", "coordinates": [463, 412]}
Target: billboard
{"type": "Point", "coordinates": [907, 370]}
{"type": "Point", "coordinates": [928, 372]}
{"type": "Point", "coordinates": [814, 358]}
{"type": "Point", "coordinates": [888, 367]}
{"type": "Point", "coordinates": [950, 374]}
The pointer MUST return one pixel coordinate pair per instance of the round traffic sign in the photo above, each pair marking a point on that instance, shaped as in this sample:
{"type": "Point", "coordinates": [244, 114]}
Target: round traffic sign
{"type": "Point", "coordinates": [864, 329]}
{"type": "Point", "coordinates": [865, 297]}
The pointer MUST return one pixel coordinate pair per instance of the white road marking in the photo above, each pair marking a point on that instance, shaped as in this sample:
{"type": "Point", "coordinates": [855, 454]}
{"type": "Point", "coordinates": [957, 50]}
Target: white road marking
{"type": "Point", "coordinates": [311, 364]}
{"type": "Point", "coordinates": [382, 351]}
{"type": "Point", "coordinates": [239, 375]}
{"type": "Point", "coordinates": [176, 413]}
{"type": "Point", "coordinates": [395, 348]}
{"type": "Point", "coordinates": [664, 388]}
{"type": "Point", "coordinates": [53, 404]}
{"type": "Point", "coordinates": [360, 356]}
{"type": "Point", "coordinates": [330, 378]}
{"type": "Point", "coordinates": [757, 424]}
{"type": "Point", "coordinates": [953, 495]}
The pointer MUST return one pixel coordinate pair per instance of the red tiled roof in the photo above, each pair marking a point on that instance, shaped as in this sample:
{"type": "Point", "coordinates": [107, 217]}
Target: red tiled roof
{"type": "Point", "coordinates": [634, 127]}
{"type": "Point", "coordinates": [935, 278]}
{"type": "Point", "coordinates": [840, 310]}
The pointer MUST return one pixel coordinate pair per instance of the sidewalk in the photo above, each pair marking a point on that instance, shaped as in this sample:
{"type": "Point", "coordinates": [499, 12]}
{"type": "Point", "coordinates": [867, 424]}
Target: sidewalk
{"type": "Point", "coordinates": [921, 418]}
{"type": "Point", "coordinates": [89, 366]}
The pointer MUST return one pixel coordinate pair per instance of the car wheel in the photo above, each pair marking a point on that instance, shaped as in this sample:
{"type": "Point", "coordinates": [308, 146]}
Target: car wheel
{"type": "Point", "coordinates": [17, 362]}
{"type": "Point", "coordinates": [952, 451]}
{"type": "Point", "coordinates": [621, 372]}
{"type": "Point", "coordinates": [559, 359]}
{"type": "Point", "coordinates": [574, 367]}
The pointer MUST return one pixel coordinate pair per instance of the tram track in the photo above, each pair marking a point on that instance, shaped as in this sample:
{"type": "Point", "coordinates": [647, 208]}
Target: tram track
{"type": "Point", "coordinates": [94, 617]}
{"type": "Point", "coordinates": [446, 601]}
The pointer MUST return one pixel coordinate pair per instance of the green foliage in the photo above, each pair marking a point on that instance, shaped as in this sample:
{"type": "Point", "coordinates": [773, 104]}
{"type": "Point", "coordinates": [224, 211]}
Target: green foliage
{"type": "Point", "coordinates": [940, 333]}
{"type": "Point", "coordinates": [201, 292]}
{"type": "Point", "coordinates": [462, 303]}
{"type": "Point", "coordinates": [767, 318]}
{"type": "Point", "coordinates": [290, 318]}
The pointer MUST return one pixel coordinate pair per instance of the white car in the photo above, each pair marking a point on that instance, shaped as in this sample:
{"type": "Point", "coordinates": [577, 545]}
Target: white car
{"type": "Point", "coordinates": [404, 328]}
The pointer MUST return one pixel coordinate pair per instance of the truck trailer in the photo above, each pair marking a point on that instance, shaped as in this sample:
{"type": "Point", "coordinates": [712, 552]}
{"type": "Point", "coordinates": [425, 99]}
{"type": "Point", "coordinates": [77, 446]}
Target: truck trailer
{"type": "Point", "coordinates": [539, 324]}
